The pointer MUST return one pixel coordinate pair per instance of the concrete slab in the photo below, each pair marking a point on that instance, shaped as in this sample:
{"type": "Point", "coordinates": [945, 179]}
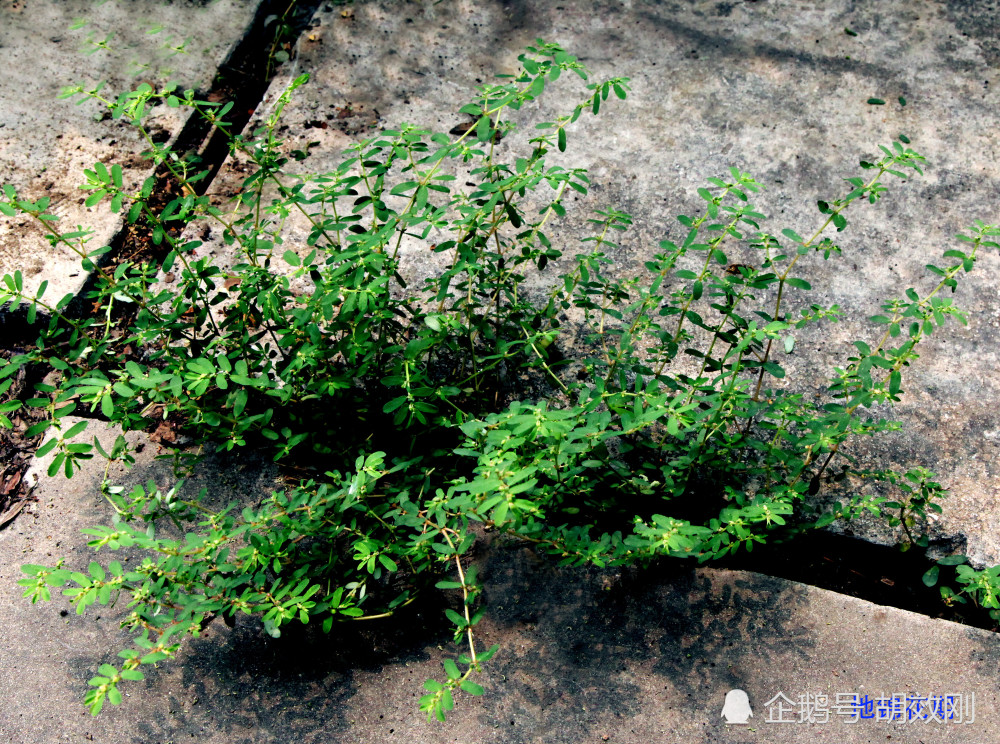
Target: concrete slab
{"type": "Point", "coordinates": [586, 655]}
{"type": "Point", "coordinates": [45, 143]}
{"type": "Point", "coordinates": [778, 89]}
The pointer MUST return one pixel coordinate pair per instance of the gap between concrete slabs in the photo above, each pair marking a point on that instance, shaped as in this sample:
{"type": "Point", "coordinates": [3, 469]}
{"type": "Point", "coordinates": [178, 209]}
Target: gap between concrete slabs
{"type": "Point", "coordinates": [243, 73]}
{"type": "Point", "coordinates": [46, 143]}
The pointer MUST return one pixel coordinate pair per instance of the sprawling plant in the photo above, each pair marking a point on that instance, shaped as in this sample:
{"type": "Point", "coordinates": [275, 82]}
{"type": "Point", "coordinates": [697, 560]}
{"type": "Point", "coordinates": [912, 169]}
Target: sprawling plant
{"type": "Point", "coordinates": [655, 428]}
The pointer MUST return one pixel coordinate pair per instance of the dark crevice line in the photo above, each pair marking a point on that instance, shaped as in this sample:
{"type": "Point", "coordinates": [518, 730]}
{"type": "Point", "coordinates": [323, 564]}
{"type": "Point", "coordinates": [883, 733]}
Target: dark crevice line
{"type": "Point", "coordinates": [881, 574]}
{"type": "Point", "coordinates": [243, 79]}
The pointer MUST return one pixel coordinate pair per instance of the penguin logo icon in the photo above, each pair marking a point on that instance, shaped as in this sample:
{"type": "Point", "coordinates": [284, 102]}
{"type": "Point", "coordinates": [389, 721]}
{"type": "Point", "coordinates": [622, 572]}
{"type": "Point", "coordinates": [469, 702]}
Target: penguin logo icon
{"type": "Point", "coordinates": [737, 707]}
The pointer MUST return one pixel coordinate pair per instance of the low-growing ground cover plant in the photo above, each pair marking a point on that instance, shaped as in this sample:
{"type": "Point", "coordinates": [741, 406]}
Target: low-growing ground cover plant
{"type": "Point", "coordinates": [400, 409]}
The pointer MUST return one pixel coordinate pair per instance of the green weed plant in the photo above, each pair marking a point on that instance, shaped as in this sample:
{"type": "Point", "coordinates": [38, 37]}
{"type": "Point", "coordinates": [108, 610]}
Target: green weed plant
{"type": "Point", "coordinates": [398, 408]}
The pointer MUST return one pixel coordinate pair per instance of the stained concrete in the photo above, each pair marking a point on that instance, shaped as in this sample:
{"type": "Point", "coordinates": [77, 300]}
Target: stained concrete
{"type": "Point", "coordinates": [47, 142]}
{"type": "Point", "coordinates": [777, 89]}
{"type": "Point", "coordinates": [586, 655]}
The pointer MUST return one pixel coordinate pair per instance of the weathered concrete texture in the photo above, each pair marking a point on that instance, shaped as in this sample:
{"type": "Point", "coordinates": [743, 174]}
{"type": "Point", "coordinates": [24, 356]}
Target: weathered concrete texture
{"type": "Point", "coordinates": [45, 143]}
{"type": "Point", "coordinates": [777, 89]}
{"type": "Point", "coordinates": [586, 655]}
{"type": "Point", "coordinates": [54, 649]}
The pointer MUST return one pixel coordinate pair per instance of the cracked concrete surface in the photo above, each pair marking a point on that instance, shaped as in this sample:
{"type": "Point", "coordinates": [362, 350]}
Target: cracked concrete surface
{"type": "Point", "coordinates": [47, 142]}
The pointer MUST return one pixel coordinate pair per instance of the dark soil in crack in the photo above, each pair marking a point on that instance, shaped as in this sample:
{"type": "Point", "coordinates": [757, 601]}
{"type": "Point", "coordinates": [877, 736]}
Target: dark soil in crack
{"type": "Point", "coordinates": [17, 443]}
{"type": "Point", "coordinates": [242, 79]}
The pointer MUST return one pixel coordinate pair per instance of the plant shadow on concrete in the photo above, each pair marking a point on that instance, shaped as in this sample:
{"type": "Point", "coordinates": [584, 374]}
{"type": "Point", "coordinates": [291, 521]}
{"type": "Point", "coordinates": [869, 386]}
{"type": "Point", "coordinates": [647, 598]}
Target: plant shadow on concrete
{"type": "Point", "coordinates": [396, 407]}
